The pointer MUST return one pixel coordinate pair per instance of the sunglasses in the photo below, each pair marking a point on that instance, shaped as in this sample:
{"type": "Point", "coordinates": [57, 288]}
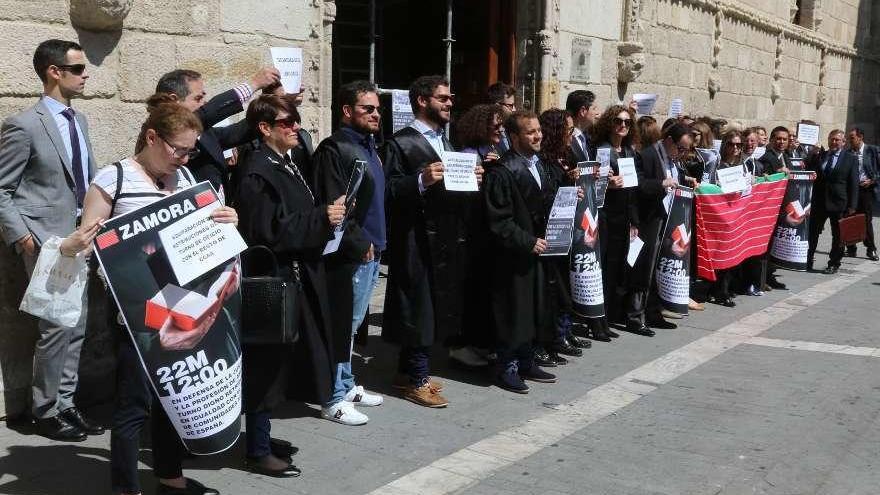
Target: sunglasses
{"type": "Point", "coordinates": [735, 145]}
{"type": "Point", "coordinates": [444, 98]}
{"type": "Point", "coordinates": [180, 152]}
{"type": "Point", "coordinates": [75, 69]}
{"type": "Point", "coordinates": [368, 109]}
{"type": "Point", "coordinates": [288, 123]}
{"type": "Point", "coordinates": [623, 122]}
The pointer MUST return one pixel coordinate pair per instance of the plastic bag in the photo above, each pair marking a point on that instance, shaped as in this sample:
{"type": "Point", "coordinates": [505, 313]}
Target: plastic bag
{"type": "Point", "coordinates": [56, 292]}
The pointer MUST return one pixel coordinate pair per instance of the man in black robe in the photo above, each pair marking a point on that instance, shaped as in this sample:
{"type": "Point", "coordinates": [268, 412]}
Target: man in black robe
{"type": "Point", "coordinates": [777, 158]}
{"type": "Point", "coordinates": [427, 241]}
{"type": "Point", "coordinates": [517, 207]}
{"type": "Point", "coordinates": [346, 158]}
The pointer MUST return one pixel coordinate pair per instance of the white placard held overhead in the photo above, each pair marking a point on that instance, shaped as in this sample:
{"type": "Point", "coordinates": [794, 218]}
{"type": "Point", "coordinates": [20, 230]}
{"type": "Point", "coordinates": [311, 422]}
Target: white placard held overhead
{"type": "Point", "coordinates": [401, 111]}
{"type": "Point", "coordinates": [732, 179]}
{"type": "Point", "coordinates": [645, 103]}
{"type": "Point", "coordinates": [458, 171]}
{"type": "Point", "coordinates": [676, 107]}
{"type": "Point", "coordinates": [808, 134]}
{"type": "Point", "coordinates": [289, 62]}
{"type": "Point", "coordinates": [627, 169]}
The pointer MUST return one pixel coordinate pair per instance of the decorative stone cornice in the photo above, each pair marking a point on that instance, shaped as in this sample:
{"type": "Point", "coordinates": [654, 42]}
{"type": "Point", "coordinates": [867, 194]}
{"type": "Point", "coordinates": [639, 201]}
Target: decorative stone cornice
{"type": "Point", "coordinates": [759, 20]}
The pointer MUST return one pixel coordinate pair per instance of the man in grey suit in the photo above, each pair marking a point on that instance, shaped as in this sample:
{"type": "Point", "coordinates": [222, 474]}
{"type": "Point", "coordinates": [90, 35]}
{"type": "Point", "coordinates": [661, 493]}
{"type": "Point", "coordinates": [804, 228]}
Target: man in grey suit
{"type": "Point", "coordinates": [46, 163]}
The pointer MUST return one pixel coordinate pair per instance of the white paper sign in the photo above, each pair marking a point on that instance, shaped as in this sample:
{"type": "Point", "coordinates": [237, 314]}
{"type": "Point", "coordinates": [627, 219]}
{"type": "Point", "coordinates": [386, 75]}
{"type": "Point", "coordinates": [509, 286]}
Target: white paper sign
{"type": "Point", "coordinates": [645, 102]}
{"type": "Point", "coordinates": [759, 152]}
{"type": "Point", "coordinates": [458, 171]}
{"type": "Point", "coordinates": [289, 62]}
{"type": "Point", "coordinates": [401, 111]}
{"type": "Point", "coordinates": [635, 247]}
{"type": "Point", "coordinates": [676, 107]}
{"type": "Point", "coordinates": [627, 169]}
{"type": "Point", "coordinates": [808, 134]}
{"type": "Point", "coordinates": [732, 179]}
{"type": "Point", "coordinates": [603, 156]}
{"type": "Point", "coordinates": [197, 244]}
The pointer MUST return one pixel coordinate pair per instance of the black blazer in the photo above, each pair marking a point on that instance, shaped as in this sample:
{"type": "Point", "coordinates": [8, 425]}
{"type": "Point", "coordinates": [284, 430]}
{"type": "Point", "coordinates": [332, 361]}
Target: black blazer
{"type": "Point", "coordinates": [210, 164]}
{"type": "Point", "coordinates": [652, 173]}
{"type": "Point", "coordinates": [333, 165]}
{"type": "Point", "coordinates": [770, 163]}
{"type": "Point", "coordinates": [839, 190]}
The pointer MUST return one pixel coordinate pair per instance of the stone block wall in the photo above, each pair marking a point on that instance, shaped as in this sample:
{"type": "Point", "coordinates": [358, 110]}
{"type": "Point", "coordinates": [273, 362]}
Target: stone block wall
{"type": "Point", "coordinates": [761, 68]}
{"type": "Point", "coordinates": [225, 40]}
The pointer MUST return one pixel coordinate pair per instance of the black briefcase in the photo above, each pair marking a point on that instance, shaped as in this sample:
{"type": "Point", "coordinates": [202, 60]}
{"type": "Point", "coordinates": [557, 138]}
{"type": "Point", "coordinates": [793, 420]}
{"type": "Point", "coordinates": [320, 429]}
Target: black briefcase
{"type": "Point", "coordinates": [270, 302]}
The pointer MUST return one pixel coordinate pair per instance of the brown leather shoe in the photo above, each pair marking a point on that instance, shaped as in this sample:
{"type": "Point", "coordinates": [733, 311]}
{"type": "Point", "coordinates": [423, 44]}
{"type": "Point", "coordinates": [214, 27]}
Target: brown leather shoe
{"type": "Point", "coordinates": [401, 382]}
{"type": "Point", "coordinates": [424, 396]}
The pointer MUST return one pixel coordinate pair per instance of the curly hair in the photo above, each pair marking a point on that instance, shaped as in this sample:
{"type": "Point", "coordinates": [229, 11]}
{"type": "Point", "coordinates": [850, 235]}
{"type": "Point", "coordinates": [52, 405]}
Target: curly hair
{"type": "Point", "coordinates": [601, 132]}
{"type": "Point", "coordinates": [553, 126]}
{"type": "Point", "coordinates": [474, 127]}
{"type": "Point", "coordinates": [726, 140]}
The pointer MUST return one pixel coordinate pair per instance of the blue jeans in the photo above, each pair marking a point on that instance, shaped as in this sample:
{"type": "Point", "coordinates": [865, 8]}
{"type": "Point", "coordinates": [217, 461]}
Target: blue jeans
{"type": "Point", "coordinates": [257, 434]}
{"type": "Point", "coordinates": [363, 281]}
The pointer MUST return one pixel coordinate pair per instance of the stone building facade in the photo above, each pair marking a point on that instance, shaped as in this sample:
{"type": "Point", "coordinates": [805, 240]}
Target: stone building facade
{"type": "Point", "coordinates": [752, 61]}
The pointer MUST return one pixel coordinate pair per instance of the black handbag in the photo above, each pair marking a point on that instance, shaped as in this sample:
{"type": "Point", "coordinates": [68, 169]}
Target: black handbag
{"type": "Point", "coordinates": [270, 302]}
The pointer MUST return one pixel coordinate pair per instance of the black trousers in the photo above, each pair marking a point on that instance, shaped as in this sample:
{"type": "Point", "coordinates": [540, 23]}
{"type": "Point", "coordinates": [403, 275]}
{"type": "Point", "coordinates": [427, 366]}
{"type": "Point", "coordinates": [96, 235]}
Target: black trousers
{"type": "Point", "coordinates": [817, 225]}
{"type": "Point", "coordinates": [135, 403]}
{"type": "Point", "coordinates": [721, 287]}
{"type": "Point", "coordinates": [866, 206]}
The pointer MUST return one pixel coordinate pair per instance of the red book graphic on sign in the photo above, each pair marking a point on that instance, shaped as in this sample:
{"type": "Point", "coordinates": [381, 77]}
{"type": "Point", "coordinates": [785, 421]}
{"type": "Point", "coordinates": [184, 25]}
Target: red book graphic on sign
{"type": "Point", "coordinates": [795, 210]}
{"type": "Point", "coordinates": [680, 236]}
{"type": "Point", "coordinates": [205, 198]}
{"type": "Point", "coordinates": [107, 239]}
{"type": "Point", "coordinates": [588, 223]}
{"type": "Point", "coordinates": [188, 309]}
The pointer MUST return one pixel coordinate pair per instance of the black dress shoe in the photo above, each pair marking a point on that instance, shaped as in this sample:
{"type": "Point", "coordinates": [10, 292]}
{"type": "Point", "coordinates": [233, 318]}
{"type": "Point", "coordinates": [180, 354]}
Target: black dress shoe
{"type": "Point", "coordinates": [579, 342]}
{"type": "Point", "coordinates": [776, 284]}
{"type": "Point", "coordinates": [282, 448]}
{"type": "Point", "coordinates": [662, 324]}
{"type": "Point", "coordinates": [726, 302]}
{"type": "Point", "coordinates": [193, 487]}
{"type": "Point", "coordinates": [264, 465]}
{"type": "Point", "coordinates": [830, 270]}
{"type": "Point", "coordinates": [567, 349]}
{"type": "Point", "coordinates": [74, 416]}
{"type": "Point", "coordinates": [58, 428]}
{"type": "Point", "coordinates": [872, 255]}
{"type": "Point", "coordinates": [559, 360]}
{"type": "Point", "coordinates": [608, 331]}
{"type": "Point", "coordinates": [600, 334]}
{"type": "Point", "coordinates": [640, 330]}
{"type": "Point", "coordinates": [542, 358]}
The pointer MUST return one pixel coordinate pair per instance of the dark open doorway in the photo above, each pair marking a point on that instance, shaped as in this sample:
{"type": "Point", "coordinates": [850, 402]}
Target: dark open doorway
{"type": "Point", "coordinates": [410, 42]}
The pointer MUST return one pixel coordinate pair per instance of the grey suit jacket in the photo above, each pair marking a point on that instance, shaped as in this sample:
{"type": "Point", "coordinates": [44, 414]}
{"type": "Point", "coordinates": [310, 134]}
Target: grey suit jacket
{"type": "Point", "coordinates": [37, 189]}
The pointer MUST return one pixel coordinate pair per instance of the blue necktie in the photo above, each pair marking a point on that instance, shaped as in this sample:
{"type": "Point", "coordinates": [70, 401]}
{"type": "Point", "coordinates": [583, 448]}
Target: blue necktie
{"type": "Point", "coordinates": [829, 165]}
{"type": "Point", "coordinates": [76, 159]}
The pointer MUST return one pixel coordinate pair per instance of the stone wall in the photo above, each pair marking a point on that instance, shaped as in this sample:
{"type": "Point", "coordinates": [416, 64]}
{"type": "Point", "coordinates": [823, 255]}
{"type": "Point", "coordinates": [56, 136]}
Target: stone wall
{"type": "Point", "coordinates": [225, 40]}
{"type": "Point", "coordinates": [741, 60]}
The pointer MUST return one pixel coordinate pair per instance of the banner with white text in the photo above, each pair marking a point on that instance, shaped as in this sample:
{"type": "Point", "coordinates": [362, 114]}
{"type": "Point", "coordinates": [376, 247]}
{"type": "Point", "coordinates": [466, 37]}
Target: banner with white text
{"type": "Point", "coordinates": [792, 233]}
{"type": "Point", "coordinates": [585, 267]}
{"type": "Point", "coordinates": [175, 276]}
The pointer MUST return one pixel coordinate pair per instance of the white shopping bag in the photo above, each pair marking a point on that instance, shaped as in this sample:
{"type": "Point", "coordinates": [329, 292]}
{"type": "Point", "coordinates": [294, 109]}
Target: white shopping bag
{"type": "Point", "coordinates": [56, 292]}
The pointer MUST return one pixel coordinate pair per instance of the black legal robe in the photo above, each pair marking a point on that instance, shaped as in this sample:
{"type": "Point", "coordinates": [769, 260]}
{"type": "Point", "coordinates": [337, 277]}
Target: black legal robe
{"type": "Point", "coordinates": [277, 210]}
{"type": "Point", "coordinates": [516, 211]}
{"type": "Point", "coordinates": [427, 246]}
{"type": "Point", "coordinates": [333, 162]}
{"type": "Point", "coordinates": [652, 214]}
{"type": "Point", "coordinates": [770, 162]}
{"type": "Point", "coordinates": [619, 213]}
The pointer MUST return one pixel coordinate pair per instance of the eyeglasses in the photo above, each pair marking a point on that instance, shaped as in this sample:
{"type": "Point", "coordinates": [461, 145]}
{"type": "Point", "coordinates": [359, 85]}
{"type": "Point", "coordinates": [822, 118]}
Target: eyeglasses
{"type": "Point", "coordinates": [368, 109]}
{"type": "Point", "coordinates": [623, 122]}
{"type": "Point", "coordinates": [509, 106]}
{"type": "Point", "coordinates": [179, 153]}
{"type": "Point", "coordinates": [444, 98]}
{"type": "Point", "coordinates": [288, 123]}
{"type": "Point", "coordinates": [75, 69]}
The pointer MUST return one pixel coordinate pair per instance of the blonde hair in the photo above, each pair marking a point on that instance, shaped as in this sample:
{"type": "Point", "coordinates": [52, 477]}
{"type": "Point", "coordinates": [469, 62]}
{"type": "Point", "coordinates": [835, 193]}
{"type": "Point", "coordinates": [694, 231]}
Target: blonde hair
{"type": "Point", "coordinates": [167, 117]}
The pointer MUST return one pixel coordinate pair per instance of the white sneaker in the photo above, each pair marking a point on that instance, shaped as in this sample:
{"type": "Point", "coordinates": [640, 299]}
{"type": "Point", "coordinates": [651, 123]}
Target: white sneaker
{"type": "Point", "coordinates": [359, 397]}
{"type": "Point", "coordinates": [345, 413]}
{"type": "Point", "coordinates": [468, 356]}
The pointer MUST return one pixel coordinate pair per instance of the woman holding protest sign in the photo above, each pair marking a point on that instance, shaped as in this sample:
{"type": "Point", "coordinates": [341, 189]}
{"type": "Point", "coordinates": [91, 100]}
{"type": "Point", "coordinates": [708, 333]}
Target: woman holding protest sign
{"type": "Point", "coordinates": [167, 141]}
{"type": "Point", "coordinates": [278, 211]}
{"type": "Point", "coordinates": [618, 216]}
